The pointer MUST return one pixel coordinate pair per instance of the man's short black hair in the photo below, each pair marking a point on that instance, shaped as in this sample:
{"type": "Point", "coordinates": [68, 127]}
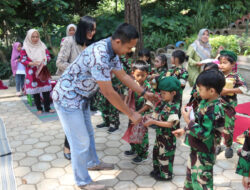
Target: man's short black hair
{"type": "Point", "coordinates": [140, 65]}
{"type": "Point", "coordinates": [125, 32]}
{"type": "Point", "coordinates": [212, 79]}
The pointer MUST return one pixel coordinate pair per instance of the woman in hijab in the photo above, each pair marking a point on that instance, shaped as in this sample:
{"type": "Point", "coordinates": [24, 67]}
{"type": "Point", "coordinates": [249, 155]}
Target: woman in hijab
{"type": "Point", "coordinates": [198, 51]}
{"type": "Point", "coordinates": [71, 47]}
{"type": "Point", "coordinates": [70, 31]}
{"type": "Point", "coordinates": [33, 54]}
{"type": "Point", "coordinates": [17, 67]}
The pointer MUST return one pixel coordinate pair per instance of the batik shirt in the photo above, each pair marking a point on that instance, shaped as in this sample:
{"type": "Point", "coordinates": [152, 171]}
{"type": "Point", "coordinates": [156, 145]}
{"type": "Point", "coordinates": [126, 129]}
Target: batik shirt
{"type": "Point", "coordinates": [78, 82]}
{"type": "Point", "coordinates": [167, 111]}
{"type": "Point", "coordinates": [240, 83]}
{"type": "Point", "coordinates": [180, 73]}
{"type": "Point", "coordinates": [243, 167]}
{"type": "Point", "coordinates": [208, 124]}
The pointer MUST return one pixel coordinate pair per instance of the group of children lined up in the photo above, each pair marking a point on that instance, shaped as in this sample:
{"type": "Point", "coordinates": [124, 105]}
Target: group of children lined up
{"type": "Point", "coordinates": [209, 115]}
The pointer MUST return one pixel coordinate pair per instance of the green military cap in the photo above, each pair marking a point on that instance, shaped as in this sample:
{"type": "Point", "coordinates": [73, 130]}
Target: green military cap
{"type": "Point", "coordinates": [230, 54]}
{"type": "Point", "coordinates": [169, 84]}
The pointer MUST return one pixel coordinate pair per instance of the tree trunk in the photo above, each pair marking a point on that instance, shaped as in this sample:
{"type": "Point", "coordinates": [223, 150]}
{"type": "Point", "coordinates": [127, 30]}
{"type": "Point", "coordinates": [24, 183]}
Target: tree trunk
{"type": "Point", "coordinates": [133, 17]}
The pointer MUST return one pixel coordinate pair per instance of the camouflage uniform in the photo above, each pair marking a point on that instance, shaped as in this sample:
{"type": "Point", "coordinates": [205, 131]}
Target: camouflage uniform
{"type": "Point", "coordinates": [232, 100]}
{"type": "Point", "coordinates": [201, 135]}
{"type": "Point", "coordinates": [110, 114]}
{"type": "Point", "coordinates": [165, 143]}
{"type": "Point", "coordinates": [162, 72]}
{"type": "Point", "coordinates": [243, 167]}
{"type": "Point", "coordinates": [142, 149]}
{"type": "Point", "coordinates": [182, 75]}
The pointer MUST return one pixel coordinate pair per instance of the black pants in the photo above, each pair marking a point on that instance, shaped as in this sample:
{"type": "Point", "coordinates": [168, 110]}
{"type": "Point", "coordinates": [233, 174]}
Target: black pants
{"type": "Point", "coordinates": [66, 143]}
{"type": "Point", "coordinates": [46, 101]}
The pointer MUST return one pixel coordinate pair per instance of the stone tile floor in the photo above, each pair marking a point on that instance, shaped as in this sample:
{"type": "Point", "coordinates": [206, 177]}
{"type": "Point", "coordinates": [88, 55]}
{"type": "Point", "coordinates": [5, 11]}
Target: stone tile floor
{"type": "Point", "coordinates": [39, 163]}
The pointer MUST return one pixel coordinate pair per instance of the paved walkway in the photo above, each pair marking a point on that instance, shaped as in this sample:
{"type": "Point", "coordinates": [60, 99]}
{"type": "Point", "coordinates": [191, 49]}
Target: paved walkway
{"type": "Point", "coordinates": [39, 163]}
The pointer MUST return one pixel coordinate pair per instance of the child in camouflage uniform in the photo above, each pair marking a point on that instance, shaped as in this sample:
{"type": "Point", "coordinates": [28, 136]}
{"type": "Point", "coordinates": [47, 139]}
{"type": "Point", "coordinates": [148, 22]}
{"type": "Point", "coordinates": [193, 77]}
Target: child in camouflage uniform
{"type": "Point", "coordinates": [195, 99]}
{"type": "Point", "coordinates": [166, 118]}
{"type": "Point", "coordinates": [160, 70]}
{"type": "Point", "coordinates": [229, 94]}
{"type": "Point", "coordinates": [110, 114]}
{"type": "Point", "coordinates": [243, 167]}
{"type": "Point", "coordinates": [178, 71]}
{"type": "Point", "coordinates": [140, 73]}
{"type": "Point", "coordinates": [144, 55]}
{"type": "Point", "coordinates": [201, 133]}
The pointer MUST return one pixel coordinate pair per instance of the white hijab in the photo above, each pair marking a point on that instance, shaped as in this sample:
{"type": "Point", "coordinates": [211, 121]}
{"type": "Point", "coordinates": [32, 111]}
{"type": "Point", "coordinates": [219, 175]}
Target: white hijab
{"type": "Point", "coordinates": [36, 52]}
{"type": "Point", "coordinates": [68, 28]}
{"type": "Point", "coordinates": [201, 48]}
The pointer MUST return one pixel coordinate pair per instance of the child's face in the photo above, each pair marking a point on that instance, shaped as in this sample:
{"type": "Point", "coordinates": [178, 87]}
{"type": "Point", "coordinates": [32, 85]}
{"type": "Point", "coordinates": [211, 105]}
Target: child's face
{"type": "Point", "coordinates": [144, 58]}
{"type": "Point", "coordinates": [140, 76]}
{"type": "Point", "coordinates": [19, 47]}
{"type": "Point", "coordinates": [225, 66]}
{"type": "Point", "coordinates": [167, 96]}
{"type": "Point", "coordinates": [158, 62]}
{"type": "Point", "coordinates": [206, 93]}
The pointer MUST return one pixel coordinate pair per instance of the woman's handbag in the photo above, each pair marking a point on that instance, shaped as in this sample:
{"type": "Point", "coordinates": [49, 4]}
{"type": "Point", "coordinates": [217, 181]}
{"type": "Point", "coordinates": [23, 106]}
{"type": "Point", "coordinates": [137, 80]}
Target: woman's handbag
{"type": "Point", "coordinates": [42, 72]}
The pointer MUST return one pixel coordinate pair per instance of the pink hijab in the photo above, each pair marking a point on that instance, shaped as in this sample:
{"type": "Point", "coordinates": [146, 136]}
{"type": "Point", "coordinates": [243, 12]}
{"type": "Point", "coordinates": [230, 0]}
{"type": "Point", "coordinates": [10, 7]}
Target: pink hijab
{"type": "Point", "coordinates": [15, 54]}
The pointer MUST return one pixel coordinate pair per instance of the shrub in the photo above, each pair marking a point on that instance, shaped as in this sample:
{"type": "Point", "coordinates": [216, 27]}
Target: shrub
{"type": "Point", "coordinates": [230, 42]}
{"type": "Point", "coordinates": [5, 69]}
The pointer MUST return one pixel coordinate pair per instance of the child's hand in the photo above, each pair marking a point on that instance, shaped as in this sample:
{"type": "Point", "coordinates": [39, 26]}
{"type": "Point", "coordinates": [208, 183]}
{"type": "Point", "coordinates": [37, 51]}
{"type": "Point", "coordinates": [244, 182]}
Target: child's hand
{"type": "Point", "coordinates": [240, 139]}
{"type": "Point", "coordinates": [179, 132]}
{"type": "Point", "coordinates": [245, 182]}
{"type": "Point", "coordinates": [149, 122]}
{"type": "Point", "coordinates": [136, 118]}
{"type": "Point", "coordinates": [186, 114]}
{"type": "Point", "coordinates": [225, 91]}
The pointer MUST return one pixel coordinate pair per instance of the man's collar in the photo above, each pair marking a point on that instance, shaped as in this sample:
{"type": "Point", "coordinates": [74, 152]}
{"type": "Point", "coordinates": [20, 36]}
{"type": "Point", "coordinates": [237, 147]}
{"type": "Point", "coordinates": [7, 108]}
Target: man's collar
{"type": "Point", "coordinates": [110, 49]}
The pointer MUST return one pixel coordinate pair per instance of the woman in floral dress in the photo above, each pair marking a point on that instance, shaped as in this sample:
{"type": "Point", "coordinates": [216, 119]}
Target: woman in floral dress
{"type": "Point", "coordinates": [33, 54]}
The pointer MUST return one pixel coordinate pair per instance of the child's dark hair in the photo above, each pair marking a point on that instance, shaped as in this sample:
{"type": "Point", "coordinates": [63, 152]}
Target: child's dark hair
{"type": "Point", "coordinates": [209, 66]}
{"type": "Point", "coordinates": [140, 65]}
{"type": "Point", "coordinates": [145, 52]}
{"type": "Point", "coordinates": [180, 55]}
{"type": "Point", "coordinates": [230, 59]}
{"type": "Point", "coordinates": [163, 59]}
{"type": "Point", "coordinates": [125, 32]}
{"type": "Point", "coordinates": [212, 79]}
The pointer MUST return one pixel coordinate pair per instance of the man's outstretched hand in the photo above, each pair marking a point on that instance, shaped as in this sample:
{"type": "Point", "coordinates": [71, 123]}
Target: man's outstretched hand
{"type": "Point", "coordinates": [151, 97]}
{"type": "Point", "coordinates": [135, 118]}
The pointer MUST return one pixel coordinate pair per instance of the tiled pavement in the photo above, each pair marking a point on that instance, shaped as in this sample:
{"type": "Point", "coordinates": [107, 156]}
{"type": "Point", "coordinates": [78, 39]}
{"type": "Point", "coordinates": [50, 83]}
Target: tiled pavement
{"type": "Point", "coordinates": [39, 163]}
